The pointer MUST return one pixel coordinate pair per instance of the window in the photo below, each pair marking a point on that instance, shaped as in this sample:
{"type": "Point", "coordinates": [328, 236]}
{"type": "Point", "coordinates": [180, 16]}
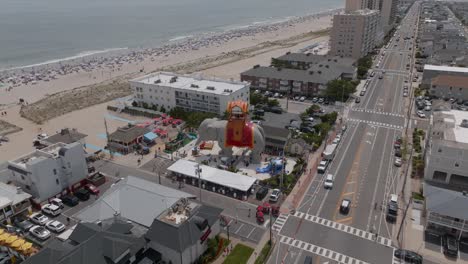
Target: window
{"type": "Point", "coordinates": [22, 177]}
{"type": "Point", "coordinates": [439, 176]}
{"type": "Point", "coordinates": [55, 172]}
{"type": "Point", "coordinates": [57, 181]}
{"type": "Point", "coordinates": [28, 187]}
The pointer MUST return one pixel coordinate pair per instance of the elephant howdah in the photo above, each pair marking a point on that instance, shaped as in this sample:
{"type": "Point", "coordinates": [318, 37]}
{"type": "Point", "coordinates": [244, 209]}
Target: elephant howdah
{"type": "Point", "coordinates": [239, 134]}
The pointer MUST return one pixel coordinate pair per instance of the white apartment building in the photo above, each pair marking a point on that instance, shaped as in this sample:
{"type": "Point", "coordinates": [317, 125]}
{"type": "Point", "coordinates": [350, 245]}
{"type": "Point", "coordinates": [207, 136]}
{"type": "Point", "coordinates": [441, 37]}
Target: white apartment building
{"type": "Point", "coordinates": [354, 33]}
{"type": "Point", "coordinates": [49, 171]}
{"type": "Point", "coordinates": [188, 92]}
{"type": "Point", "coordinates": [447, 155]}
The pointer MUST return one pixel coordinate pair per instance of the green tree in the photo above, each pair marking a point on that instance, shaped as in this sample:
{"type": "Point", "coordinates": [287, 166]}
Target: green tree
{"type": "Point", "coordinates": [256, 98]}
{"type": "Point", "coordinates": [145, 105]}
{"type": "Point", "coordinates": [329, 118]}
{"type": "Point", "coordinates": [162, 109]}
{"type": "Point", "coordinates": [312, 109]}
{"type": "Point", "coordinates": [340, 89]}
{"type": "Point", "coordinates": [273, 102]}
{"type": "Point", "coordinates": [134, 104]}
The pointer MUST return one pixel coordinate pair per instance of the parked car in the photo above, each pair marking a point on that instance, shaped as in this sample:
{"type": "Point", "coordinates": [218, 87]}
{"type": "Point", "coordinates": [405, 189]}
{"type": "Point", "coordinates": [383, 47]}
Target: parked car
{"type": "Point", "coordinates": [421, 114]}
{"type": "Point", "coordinates": [362, 93]}
{"type": "Point", "coordinates": [39, 218]}
{"type": "Point", "coordinates": [51, 209]}
{"type": "Point", "coordinates": [322, 166]}
{"type": "Point", "coordinates": [55, 226]}
{"type": "Point", "coordinates": [345, 206]}
{"type": "Point", "coordinates": [70, 200]}
{"type": "Point", "coordinates": [40, 232]}
{"type": "Point", "coordinates": [58, 202]}
{"type": "Point", "coordinates": [275, 195]}
{"type": "Point", "coordinates": [23, 224]}
{"type": "Point", "coordinates": [408, 256]}
{"type": "Point", "coordinates": [320, 100]}
{"type": "Point", "coordinates": [397, 162]}
{"type": "Point", "coordinates": [82, 194]}
{"type": "Point", "coordinates": [302, 99]}
{"type": "Point", "coordinates": [261, 193]}
{"type": "Point", "coordinates": [92, 189]}
{"type": "Point", "coordinates": [314, 100]}
{"type": "Point", "coordinates": [357, 100]}
{"type": "Point", "coordinates": [450, 246]}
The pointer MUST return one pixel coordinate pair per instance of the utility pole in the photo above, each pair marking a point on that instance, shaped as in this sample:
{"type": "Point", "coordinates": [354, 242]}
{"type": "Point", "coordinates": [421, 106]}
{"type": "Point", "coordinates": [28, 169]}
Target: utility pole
{"type": "Point", "coordinates": [111, 152]}
{"type": "Point", "coordinates": [270, 229]}
{"type": "Point", "coordinates": [198, 171]}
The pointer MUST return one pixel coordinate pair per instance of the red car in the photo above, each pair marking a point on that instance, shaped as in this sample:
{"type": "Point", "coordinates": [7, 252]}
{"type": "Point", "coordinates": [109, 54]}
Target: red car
{"type": "Point", "coordinates": [92, 189]}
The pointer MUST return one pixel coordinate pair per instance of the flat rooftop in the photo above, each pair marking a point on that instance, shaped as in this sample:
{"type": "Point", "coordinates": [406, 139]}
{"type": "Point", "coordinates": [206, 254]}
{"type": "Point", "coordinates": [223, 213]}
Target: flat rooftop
{"type": "Point", "coordinates": [445, 68]}
{"type": "Point", "coordinates": [449, 122]}
{"type": "Point", "coordinates": [188, 82]}
{"type": "Point", "coordinates": [51, 151]}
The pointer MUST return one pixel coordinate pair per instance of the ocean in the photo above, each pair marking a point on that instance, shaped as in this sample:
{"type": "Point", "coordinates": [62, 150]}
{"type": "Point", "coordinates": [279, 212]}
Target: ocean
{"type": "Point", "coordinates": [38, 31]}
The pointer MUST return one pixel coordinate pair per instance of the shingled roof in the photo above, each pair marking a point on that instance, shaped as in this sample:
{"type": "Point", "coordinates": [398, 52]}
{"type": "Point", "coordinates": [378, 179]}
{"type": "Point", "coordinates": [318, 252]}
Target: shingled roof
{"type": "Point", "coordinates": [127, 134]}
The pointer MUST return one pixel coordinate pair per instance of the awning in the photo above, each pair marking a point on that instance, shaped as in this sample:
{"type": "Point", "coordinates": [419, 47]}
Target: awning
{"type": "Point", "coordinates": [213, 175]}
{"type": "Point", "coordinates": [150, 136]}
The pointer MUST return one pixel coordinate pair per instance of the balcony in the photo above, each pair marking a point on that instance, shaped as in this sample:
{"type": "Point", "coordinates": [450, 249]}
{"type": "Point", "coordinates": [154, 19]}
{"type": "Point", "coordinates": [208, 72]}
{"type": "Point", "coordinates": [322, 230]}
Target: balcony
{"type": "Point", "coordinates": [447, 222]}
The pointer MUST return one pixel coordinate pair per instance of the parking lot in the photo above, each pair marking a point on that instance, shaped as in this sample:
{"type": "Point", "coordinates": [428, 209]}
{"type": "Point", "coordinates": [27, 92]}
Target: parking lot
{"type": "Point", "coordinates": [66, 217]}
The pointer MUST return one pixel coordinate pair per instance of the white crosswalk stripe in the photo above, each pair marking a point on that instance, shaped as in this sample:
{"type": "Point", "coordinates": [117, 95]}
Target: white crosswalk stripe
{"type": "Point", "coordinates": [376, 112]}
{"type": "Point", "coordinates": [344, 228]}
{"type": "Point", "coordinates": [379, 124]}
{"type": "Point", "coordinates": [279, 223]}
{"type": "Point", "coordinates": [317, 250]}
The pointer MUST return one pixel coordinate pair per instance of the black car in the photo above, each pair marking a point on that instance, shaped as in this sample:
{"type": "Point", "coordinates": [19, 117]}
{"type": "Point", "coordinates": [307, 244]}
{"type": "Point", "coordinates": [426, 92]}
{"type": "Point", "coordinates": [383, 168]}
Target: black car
{"type": "Point", "coordinates": [408, 256]}
{"type": "Point", "coordinates": [69, 200]}
{"type": "Point", "coordinates": [450, 245]}
{"type": "Point", "coordinates": [357, 100]}
{"type": "Point", "coordinates": [82, 194]}
{"type": "Point", "coordinates": [345, 206]}
{"type": "Point", "coordinates": [276, 110]}
{"type": "Point", "coordinates": [398, 152]}
{"type": "Point", "coordinates": [261, 193]}
{"type": "Point", "coordinates": [23, 224]}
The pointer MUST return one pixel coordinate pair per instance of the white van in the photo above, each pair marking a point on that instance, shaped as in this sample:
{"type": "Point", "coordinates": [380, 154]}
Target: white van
{"type": "Point", "coordinates": [328, 182]}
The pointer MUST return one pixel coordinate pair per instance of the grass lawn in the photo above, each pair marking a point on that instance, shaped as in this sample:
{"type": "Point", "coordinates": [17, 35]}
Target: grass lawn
{"type": "Point", "coordinates": [239, 255]}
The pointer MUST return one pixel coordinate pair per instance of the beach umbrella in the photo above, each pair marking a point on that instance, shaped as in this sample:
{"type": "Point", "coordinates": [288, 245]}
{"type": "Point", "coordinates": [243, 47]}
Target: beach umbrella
{"type": "Point", "coordinates": [4, 237]}
{"type": "Point", "coordinates": [18, 243]}
{"type": "Point", "coordinates": [2, 231]}
{"type": "Point", "coordinates": [26, 246]}
{"type": "Point", "coordinates": [11, 239]}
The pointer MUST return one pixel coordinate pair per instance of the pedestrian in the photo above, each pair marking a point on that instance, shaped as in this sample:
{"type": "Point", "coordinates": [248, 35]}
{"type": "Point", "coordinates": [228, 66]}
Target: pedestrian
{"type": "Point", "coordinates": [68, 220]}
{"type": "Point", "coordinates": [249, 212]}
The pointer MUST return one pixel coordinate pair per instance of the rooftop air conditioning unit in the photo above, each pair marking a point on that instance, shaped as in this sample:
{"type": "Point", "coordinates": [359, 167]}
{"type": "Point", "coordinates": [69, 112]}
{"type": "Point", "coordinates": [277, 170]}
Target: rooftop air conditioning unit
{"type": "Point", "coordinates": [210, 88]}
{"type": "Point", "coordinates": [194, 86]}
{"type": "Point", "coordinates": [464, 123]}
{"type": "Point", "coordinates": [157, 81]}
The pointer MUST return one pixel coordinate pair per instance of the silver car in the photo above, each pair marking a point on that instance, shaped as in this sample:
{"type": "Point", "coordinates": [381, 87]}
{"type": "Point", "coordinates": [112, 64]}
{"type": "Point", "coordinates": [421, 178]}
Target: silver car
{"type": "Point", "coordinates": [40, 232]}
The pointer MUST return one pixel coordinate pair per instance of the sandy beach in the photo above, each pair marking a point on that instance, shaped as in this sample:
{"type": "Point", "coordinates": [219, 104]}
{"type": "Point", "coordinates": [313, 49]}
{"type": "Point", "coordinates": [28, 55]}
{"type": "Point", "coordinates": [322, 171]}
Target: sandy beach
{"type": "Point", "coordinates": [91, 120]}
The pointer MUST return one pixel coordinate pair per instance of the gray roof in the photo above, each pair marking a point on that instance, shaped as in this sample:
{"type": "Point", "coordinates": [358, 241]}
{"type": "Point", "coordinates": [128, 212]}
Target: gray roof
{"type": "Point", "coordinates": [66, 136]}
{"type": "Point", "coordinates": [276, 132]}
{"type": "Point", "coordinates": [317, 59]}
{"type": "Point", "coordinates": [316, 74]}
{"type": "Point", "coordinates": [135, 199]}
{"type": "Point", "coordinates": [128, 134]}
{"type": "Point", "coordinates": [445, 202]}
{"type": "Point", "coordinates": [97, 246]}
{"type": "Point", "coordinates": [187, 233]}
{"type": "Point", "coordinates": [14, 194]}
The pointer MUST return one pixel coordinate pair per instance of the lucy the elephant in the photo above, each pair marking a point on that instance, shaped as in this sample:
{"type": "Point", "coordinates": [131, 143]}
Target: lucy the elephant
{"type": "Point", "coordinates": [214, 129]}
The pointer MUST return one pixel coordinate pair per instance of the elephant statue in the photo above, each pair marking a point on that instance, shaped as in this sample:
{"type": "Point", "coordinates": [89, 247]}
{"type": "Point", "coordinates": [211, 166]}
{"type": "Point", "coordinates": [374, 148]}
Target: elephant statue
{"type": "Point", "coordinates": [215, 129]}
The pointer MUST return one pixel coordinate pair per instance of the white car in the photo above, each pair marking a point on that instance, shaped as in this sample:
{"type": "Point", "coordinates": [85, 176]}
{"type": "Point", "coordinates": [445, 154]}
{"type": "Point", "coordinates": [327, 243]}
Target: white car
{"type": "Point", "coordinates": [55, 226]}
{"type": "Point", "coordinates": [322, 166]}
{"type": "Point", "coordinates": [311, 119]}
{"type": "Point", "coordinates": [337, 139]}
{"type": "Point", "coordinates": [428, 103]}
{"type": "Point", "coordinates": [397, 162]}
{"type": "Point", "coordinates": [421, 114]}
{"type": "Point", "coordinates": [39, 218]}
{"type": "Point", "coordinates": [40, 232]}
{"type": "Point", "coordinates": [275, 195]}
{"type": "Point", "coordinates": [328, 184]}
{"type": "Point", "coordinates": [427, 108]}
{"type": "Point", "coordinates": [302, 99]}
{"type": "Point", "coordinates": [51, 209]}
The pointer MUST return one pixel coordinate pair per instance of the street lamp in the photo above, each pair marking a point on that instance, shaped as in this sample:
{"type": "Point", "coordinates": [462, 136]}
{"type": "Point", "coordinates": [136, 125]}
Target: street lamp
{"type": "Point", "coordinates": [198, 172]}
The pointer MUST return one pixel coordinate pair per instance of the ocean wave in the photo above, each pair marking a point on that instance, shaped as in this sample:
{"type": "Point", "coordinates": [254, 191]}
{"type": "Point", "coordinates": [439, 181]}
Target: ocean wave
{"type": "Point", "coordinates": [74, 57]}
{"type": "Point", "coordinates": [180, 38]}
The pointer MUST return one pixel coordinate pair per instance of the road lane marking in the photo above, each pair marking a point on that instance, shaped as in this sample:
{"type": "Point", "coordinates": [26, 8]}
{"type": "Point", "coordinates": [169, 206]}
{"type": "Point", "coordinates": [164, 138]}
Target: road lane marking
{"type": "Point", "coordinates": [279, 223]}
{"type": "Point", "coordinates": [324, 252]}
{"type": "Point", "coordinates": [344, 220]}
{"type": "Point", "coordinates": [344, 228]}
{"type": "Point", "coordinates": [348, 193]}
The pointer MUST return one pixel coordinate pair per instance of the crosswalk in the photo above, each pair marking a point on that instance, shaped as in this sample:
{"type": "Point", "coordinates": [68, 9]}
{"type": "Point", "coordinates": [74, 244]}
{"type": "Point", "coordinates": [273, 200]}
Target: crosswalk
{"type": "Point", "coordinates": [279, 223]}
{"type": "Point", "coordinates": [344, 228]}
{"type": "Point", "coordinates": [363, 110]}
{"type": "Point", "coordinates": [374, 123]}
{"type": "Point", "coordinates": [340, 258]}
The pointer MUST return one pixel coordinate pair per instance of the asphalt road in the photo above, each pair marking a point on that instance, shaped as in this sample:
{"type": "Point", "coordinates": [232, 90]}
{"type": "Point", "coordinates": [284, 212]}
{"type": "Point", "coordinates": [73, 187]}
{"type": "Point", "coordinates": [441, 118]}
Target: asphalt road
{"type": "Point", "coordinates": [364, 173]}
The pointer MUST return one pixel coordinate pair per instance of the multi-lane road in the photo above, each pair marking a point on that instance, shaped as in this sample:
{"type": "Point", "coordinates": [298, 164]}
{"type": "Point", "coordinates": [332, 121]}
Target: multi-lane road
{"type": "Point", "coordinates": [364, 172]}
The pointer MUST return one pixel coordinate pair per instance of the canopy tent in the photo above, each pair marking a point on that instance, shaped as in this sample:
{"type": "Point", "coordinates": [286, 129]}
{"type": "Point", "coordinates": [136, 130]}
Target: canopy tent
{"type": "Point", "coordinates": [18, 243]}
{"type": "Point", "coordinates": [150, 136]}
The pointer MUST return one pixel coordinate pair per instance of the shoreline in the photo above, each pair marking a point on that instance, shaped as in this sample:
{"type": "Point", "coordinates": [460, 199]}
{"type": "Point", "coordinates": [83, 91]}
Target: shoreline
{"type": "Point", "coordinates": [174, 40]}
